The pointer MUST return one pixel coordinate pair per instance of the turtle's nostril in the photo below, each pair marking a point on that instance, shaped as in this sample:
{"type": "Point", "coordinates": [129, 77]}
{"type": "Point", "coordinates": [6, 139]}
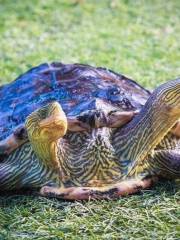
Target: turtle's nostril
{"type": "Point", "coordinates": [114, 91]}
{"type": "Point", "coordinates": [97, 114]}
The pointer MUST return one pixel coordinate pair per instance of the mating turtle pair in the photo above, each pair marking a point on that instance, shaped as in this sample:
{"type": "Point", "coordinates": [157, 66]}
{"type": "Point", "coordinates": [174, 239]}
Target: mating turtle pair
{"type": "Point", "coordinates": [79, 132]}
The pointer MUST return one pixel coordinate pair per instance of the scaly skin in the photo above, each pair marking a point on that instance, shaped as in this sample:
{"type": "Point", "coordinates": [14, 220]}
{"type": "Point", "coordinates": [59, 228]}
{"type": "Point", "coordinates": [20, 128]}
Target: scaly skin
{"type": "Point", "coordinates": [100, 163]}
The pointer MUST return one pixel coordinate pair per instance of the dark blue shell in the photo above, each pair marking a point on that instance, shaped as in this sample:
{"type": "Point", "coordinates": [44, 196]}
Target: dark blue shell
{"type": "Point", "coordinates": [76, 87]}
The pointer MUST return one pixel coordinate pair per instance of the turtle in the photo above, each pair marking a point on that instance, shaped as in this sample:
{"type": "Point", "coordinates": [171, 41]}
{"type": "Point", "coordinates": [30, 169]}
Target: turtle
{"type": "Point", "coordinates": [78, 132]}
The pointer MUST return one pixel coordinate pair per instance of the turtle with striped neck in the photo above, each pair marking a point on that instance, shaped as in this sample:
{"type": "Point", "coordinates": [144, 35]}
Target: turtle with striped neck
{"type": "Point", "coordinates": [77, 132]}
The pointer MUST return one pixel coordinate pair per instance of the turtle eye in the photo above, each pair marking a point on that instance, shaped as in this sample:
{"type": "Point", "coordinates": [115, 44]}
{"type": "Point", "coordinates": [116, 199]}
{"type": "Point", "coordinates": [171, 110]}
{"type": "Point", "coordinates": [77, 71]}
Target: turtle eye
{"type": "Point", "coordinates": [112, 112]}
{"type": "Point", "coordinates": [114, 91]}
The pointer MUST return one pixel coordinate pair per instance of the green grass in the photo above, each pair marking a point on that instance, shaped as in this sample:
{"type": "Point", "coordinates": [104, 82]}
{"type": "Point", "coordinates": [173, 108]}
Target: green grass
{"type": "Point", "coordinates": [137, 38]}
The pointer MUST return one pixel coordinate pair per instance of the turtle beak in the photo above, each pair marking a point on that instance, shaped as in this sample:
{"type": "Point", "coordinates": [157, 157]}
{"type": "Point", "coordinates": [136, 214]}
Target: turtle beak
{"type": "Point", "coordinates": [50, 121]}
{"type": "Point", "coordinates": [54, 126]}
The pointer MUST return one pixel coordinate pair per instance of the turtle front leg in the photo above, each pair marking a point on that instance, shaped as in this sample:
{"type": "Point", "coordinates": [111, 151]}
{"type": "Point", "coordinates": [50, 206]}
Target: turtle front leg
{"type": "Point", "coordinates": [16, 139]}
{"type": "Point", "coordinates": [101, 118]}
{"type": "Point", "coordinates": [45, 127]}
{"type": "Point", "coordinates": [117, 190]}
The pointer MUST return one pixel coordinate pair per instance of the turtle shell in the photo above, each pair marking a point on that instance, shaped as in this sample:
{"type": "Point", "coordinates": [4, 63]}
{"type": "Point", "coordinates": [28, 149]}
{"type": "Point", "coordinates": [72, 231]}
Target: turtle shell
{"type": "Point", "coordinates": [76, 87]}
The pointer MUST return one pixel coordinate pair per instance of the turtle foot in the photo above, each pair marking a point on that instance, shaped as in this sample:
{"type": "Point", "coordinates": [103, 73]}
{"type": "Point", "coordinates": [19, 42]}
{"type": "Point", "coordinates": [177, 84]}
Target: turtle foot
{"type": "Point", "coordinates": [113, 191]}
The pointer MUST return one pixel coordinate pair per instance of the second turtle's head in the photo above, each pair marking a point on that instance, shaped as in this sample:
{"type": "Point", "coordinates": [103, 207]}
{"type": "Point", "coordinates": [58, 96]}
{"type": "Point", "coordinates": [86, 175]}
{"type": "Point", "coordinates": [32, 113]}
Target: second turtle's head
{"type": "Point", "coordinates": [168, 97]}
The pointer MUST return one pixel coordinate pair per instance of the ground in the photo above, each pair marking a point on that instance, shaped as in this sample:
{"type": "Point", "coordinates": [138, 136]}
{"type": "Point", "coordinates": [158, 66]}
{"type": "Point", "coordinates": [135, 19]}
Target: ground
{"type": "Point", "coordinates": [137, 38]}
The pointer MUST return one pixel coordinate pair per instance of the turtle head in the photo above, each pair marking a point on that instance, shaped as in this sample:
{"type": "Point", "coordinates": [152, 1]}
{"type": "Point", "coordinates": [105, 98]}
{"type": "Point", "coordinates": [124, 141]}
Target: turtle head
{"type": "Point", "coordinates": [47, 123]}
{"type": "Point", "coordinates": [167, 98]}
{"type": "Point", "coordinates": [44, 127]}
